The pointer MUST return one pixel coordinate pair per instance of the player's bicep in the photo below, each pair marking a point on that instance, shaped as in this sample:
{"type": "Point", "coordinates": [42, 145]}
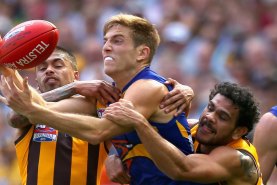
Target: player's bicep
{"type": "Point", "coordinates": [146, 96]}
{"type": "Point", "coordinates": [204, 168]}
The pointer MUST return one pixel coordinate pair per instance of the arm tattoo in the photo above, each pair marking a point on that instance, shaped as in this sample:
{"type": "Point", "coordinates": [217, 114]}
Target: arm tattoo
{"type": "Point", "coordinates": [60, 93]}
{"type": "Point", "coordinates": [248, 164]}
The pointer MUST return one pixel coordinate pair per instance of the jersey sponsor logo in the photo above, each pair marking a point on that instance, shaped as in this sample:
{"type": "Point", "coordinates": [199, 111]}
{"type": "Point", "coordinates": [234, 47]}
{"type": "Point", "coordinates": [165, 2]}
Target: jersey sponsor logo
{"type": "Point", "coordinates": [44, 133]}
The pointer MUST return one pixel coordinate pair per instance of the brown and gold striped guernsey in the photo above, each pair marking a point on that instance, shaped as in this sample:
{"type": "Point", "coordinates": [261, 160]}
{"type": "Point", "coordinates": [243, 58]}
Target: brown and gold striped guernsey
{"type": "Point", "coordinates": [66, 161]}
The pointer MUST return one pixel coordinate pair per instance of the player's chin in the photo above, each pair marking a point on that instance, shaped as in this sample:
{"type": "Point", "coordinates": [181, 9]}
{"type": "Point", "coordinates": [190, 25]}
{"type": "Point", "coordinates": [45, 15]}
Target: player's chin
{"type": "Point", "coordinates": [51, 86]}
{"type": "Point", "coordinates": [108, 70]}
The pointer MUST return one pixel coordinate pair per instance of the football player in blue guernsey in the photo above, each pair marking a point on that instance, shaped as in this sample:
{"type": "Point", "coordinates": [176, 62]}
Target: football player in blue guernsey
{"type": "Point", "coordinates": [130, 43]}
{"type": "Point", "coordinates": [223, 154]}
{"type": "Point", "coordinates": [265, 140]}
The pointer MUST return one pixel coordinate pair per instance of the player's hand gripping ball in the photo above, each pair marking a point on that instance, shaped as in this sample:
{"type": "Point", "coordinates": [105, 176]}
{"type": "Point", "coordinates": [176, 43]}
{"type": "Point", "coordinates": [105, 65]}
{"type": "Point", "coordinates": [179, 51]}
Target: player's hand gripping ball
{"type": "Point", "coordinates": [28, 44]}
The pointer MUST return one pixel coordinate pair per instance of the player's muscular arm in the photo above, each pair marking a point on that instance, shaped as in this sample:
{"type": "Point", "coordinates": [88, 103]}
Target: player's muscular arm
{"type": "Point", "coordinates": [146, 96]}
{"type": "Point", "coordinates": [93, 89]}
{"type": "Point", "coordinates": [18, 121]}
{"type": "Point", "coordinates": [97, 130]}
{"type": "Point", "coordinates": [76, 104]}
{"type": "Point", "coordinates": [201, 168]}
{"type": "Point", "coordinates": [266, 148]}
{"type": "Point", "coordinates": [91, 129]}
{"type": "Point", "coordinates": [60, 93]}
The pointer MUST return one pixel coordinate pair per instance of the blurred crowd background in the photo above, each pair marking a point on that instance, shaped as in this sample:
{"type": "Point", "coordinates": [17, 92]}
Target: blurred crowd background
{"type": "Point", "coordinates": [202, 42]}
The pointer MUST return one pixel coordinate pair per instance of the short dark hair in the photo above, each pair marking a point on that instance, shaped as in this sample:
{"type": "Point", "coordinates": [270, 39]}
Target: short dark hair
{"type": "Point", "coordinates": [69, 56]}
{"type": "Point", "coordinates": [242, 97]}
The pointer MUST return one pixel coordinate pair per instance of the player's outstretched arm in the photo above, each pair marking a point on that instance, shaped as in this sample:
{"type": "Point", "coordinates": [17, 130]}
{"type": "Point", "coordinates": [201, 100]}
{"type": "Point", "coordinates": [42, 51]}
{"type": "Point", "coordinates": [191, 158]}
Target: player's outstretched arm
{"type": "Point", "coordinates": [98, 89]}
{"type": "Point", "coordinates": [91, 129]}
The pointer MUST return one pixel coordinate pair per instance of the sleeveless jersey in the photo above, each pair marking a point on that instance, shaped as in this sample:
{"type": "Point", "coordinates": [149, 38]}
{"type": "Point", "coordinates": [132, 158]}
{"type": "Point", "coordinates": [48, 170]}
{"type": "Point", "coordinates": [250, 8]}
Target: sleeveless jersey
{"type": "Point", "coordinates": [49, 157]}
{"type": "Point", "coordinates": [242, 145]}
{"type": "Point", "coordinates": [273, 110]}
{"type": "Point", "coordinates": [132, 152]}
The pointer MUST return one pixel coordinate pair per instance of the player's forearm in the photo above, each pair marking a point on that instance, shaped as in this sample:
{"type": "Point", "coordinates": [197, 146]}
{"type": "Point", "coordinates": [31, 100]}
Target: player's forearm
{"type": "Point", "coordinates": [170, 159]}
{"type": "Point", "coordinates": [60, 93]}
{"type": "Point", "coordinates": [18, 121]}
{"type": "Point", "coordinates": [84, 127]}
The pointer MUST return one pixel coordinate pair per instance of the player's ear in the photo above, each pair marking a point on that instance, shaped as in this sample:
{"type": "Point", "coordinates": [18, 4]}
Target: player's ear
{"type": "Point", "coordinates": [239, 132]}
{"type": "Point", "coordinates": [143, 52]}
{"type": "Point", "coordinates": [76, 75]}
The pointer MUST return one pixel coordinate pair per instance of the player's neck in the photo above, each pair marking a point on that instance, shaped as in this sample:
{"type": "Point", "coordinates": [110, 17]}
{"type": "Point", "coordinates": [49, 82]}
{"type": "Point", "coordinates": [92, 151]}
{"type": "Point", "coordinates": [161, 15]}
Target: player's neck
{"type": "Point", "coordinates": [122, 79]}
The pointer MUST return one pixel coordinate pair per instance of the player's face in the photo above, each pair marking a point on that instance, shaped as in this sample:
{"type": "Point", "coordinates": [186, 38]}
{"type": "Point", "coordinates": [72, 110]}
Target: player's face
{"type": "Point", "coordinates": [217, 122]}
{"type": "Point", "coordinates": [118, 52]}
{"type": "Point", "coordinates": [55, 72]}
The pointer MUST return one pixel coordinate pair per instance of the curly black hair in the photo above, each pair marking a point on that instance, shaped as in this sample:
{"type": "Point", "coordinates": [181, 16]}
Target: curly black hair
{"type": "Point", "coordinates": [242, 97]}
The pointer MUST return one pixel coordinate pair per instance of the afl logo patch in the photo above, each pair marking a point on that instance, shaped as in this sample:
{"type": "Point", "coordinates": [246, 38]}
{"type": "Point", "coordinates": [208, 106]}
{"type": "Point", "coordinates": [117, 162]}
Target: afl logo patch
{"type": "Point", "coordinates": [100, 112]}
{"type": "Point", "coordinates": [44, 133]}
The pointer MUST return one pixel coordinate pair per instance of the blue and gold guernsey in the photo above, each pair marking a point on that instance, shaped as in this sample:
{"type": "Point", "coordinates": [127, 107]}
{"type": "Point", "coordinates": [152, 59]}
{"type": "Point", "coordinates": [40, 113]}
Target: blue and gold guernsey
{"type": "Point", "coordinates": [133, 154]}
{"type": "Point", "coordinates": [273, 110]}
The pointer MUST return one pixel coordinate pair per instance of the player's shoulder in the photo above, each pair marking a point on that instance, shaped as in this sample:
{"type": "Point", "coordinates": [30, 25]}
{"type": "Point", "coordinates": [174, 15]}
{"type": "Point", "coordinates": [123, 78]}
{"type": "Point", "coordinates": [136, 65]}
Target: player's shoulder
{"type": "Point", "coordinates": [146, 90]}
{"type": "Point", "coordinates": [268, 122]}
{"type": "Point", "coordinates": [238, 157]}
{"type": "Point", "coordinates": [148, 84]}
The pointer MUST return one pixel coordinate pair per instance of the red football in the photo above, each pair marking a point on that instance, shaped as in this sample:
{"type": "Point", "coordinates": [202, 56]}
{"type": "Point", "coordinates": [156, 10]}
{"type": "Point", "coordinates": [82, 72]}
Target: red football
{"type": "Point", "coordinates": [28, 44]}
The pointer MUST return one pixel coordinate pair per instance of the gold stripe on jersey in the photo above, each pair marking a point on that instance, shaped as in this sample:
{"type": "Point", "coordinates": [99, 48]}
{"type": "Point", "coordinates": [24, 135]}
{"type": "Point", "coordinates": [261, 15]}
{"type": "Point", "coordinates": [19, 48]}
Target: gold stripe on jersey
{"type": "Point", "coordinates": [79, 150]}
{"type": "Point", "coordinates": [193, 133]}
{"type": "Point", "coordinates": [138, 151]}
{"type": "Point", "coordinates": [182, 129]}
{"type": "Point", "coordinates": [46, 163]}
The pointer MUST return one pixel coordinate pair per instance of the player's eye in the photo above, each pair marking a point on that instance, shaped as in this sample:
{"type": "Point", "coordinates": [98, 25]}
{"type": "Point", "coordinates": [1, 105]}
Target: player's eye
{"type": "Point", "coordinates": [58, 66]}
{"type": "Point", "coordinates": [118, 41]}
{"type": "Point", "coordinates": [42, 68]}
